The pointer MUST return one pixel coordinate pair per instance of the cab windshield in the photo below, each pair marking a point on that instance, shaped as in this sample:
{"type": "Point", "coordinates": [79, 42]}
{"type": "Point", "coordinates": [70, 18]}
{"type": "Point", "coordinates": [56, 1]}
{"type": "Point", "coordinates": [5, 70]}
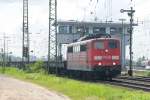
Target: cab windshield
{"type": "Point", "coordinates": [99, 45]}
{"type": "Point", "coordinates": [112, 44]}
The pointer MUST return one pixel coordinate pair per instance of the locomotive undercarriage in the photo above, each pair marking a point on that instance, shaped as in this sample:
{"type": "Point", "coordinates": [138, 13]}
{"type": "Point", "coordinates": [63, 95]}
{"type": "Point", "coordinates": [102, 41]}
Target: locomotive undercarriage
{"type": "Point", "coordinates": [97, 72]}
{"type": "Point", "coordinates": [107, 71]}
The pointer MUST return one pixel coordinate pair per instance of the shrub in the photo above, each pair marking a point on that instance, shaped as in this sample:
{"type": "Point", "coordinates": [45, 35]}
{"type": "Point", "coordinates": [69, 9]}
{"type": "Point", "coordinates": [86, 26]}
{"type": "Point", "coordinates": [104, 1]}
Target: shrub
{"type": "Point", "coordinates": [37, 67]}
{"type": "Point", "coordinates": [148, 74]}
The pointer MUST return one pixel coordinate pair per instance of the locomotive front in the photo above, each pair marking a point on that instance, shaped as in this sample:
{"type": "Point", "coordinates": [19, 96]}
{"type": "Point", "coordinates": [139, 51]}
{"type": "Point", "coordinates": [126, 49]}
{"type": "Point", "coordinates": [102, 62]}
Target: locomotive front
{"type": "Point", "coordinates": [105, 57]}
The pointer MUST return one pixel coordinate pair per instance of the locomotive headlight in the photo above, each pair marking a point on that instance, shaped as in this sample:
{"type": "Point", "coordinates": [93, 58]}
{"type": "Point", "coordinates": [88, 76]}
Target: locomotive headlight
{"type": "Point", "coordinates": [106, 50]}
{"type": "Point", "coordinates": [99, 63]}
{"type": "Point", "coordinates": [97, 58]}
{"type": "Point", "coordinates": [115, 57]}
{"type": "Point", "coordinates": [114, 63]}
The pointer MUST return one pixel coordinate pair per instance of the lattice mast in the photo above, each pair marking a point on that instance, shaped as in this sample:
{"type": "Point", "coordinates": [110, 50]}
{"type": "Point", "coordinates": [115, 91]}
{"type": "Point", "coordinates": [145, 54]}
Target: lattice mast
{"type": "Point", "coordinates": [52, 43]}
{"type": "Point", "coordinates": [25, 47]}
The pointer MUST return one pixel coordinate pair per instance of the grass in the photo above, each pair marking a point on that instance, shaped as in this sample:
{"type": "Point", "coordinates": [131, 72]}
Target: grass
{"type": "Point", "coordinates": [142, 73]}
{"type": "Point", "coordinates": [78, 90]}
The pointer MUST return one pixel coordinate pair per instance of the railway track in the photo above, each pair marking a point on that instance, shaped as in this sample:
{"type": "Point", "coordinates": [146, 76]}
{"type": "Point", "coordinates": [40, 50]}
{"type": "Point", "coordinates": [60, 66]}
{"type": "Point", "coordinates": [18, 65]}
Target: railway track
{"type": "Point", "coordinates": [141, 83]}
{"type": "Point", "coordinates": [140, 78]}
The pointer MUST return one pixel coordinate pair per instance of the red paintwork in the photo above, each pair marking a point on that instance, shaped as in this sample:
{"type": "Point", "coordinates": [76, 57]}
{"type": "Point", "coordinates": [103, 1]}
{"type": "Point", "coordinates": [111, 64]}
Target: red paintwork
{"type": "Point", "coordinates": [80, 59]}
{"type": "Point", "coordinates": [107, 56]}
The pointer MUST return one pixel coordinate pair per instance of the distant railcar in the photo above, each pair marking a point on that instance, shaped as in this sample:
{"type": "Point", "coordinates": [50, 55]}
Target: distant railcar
{"type": "Point", "coordinates": [99, 57]}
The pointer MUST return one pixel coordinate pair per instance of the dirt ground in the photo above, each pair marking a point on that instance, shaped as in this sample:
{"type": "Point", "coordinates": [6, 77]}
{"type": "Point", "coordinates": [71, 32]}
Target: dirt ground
{"type": "Point", "coordinates": [13, 89]}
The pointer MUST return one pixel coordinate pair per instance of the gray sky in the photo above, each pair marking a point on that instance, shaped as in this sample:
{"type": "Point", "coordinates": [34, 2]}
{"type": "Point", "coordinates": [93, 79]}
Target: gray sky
{"type": "Point", "coordinates": [11, 20]}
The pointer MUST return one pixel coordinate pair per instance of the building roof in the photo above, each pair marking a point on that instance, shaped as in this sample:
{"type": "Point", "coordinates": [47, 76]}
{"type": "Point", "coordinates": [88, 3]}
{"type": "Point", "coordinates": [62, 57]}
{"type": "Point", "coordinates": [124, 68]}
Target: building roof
{"type": "Point", "coordinates": [74, 22]}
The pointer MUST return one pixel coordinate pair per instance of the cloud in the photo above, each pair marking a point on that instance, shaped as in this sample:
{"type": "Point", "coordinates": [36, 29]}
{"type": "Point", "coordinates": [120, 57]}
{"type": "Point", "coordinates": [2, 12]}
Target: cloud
{"type": "Point", "coordinates": [9, 1]}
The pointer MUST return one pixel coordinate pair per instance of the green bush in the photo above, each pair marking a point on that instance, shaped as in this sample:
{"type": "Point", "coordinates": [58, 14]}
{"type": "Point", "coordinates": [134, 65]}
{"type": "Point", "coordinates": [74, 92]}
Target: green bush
{"type": "Point", "coordinates": [37, 67]}
{"type": "Point", "coordinates": [148, 74]}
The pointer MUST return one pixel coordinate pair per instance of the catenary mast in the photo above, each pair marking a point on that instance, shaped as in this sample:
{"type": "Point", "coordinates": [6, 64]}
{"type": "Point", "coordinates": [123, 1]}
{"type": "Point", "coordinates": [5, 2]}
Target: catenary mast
{"type": "Point", "coordinates": [25, 46]}
{"type": "Point", "coordinates": [52, 39]}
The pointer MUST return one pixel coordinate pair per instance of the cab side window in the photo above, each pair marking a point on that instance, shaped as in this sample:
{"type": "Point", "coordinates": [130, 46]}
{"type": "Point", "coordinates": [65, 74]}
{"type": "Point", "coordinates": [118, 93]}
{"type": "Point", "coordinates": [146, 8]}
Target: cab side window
{"type": "Point", "coordinates": [70, 50]}
{"type": "Point", "coordinates": [83, 47]}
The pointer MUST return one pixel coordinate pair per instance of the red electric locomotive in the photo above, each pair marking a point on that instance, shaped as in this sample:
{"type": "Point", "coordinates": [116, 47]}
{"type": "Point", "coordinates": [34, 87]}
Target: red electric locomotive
{"type": "Point", "coordinates": [98, 56]}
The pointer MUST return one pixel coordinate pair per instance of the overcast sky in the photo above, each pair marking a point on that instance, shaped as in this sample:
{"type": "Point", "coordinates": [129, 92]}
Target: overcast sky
{"type": "Point", "coordinates": [83, 10]}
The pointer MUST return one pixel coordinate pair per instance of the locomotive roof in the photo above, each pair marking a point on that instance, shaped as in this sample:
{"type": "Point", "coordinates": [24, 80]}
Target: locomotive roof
{"type": "Point", "coordinates": [86, 41]}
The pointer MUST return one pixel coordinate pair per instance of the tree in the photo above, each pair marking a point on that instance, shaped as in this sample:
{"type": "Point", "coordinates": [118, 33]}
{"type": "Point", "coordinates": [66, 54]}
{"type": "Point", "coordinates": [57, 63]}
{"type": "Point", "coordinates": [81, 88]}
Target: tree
{"type": "Point", "coordinates": [140, 60]}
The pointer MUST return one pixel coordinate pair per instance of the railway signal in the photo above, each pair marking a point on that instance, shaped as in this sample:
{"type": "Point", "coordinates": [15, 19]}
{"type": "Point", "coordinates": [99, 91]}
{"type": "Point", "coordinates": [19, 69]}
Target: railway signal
{"type": "Point", "coordinates": [130, 14]}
